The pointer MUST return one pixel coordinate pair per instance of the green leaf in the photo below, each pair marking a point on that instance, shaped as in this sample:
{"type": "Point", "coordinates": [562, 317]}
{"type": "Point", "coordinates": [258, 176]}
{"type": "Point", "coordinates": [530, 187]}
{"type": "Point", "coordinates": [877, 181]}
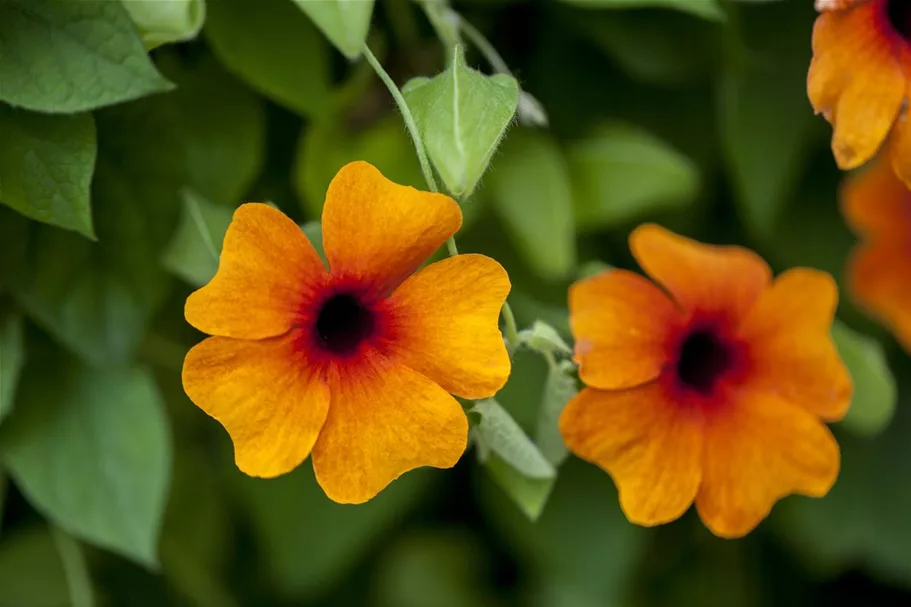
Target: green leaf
{"type": "Point", "coordinates": [97, 299]}
{"type": "Point", "coordinates": [621, 173]}
{"type": "Point", "coordinates": [462, 115]}
{"type": "Point", "coordinates": [543, 338]}
{"type": "Point", "coordinates": [63, 56]}
{"type": "Point", "coordinates": [558, 390]}
{"type": "Point", "coordinates": [91, 451]}
{"type": "Point", "coordinates": [43, 568]}
{"type": "Point", "coordinates": [46, 166]}
{"type": "Point", "coordinates": [875, 393]}
{"type": "Point", "coordinates": [766, 131]}
{"type": "Point", "coordinates": [529, 494]}
{"type": "Point", "coordinates": [344, 22]}
{"type": "Point", "coordinates": [308, 542]}
{"type": "Point", "coordinates": [166, 21]}
{"type": "Point", "coordinates": [531, 190]}
{"type": "Point", "coordinates": [327, 146]}
{"type": "Point", "coordinates": [95, 304]}
{"type": "Point", "coordinates": [195, 248]}
{"type": "Point", "coordinates": [707, 9]}
{"type": "Point", "coordinates": [275, 49]}
{"type": "Point", "coordinates": [12, 358]}
{"type": "Point", "coordinates": [500, 433]}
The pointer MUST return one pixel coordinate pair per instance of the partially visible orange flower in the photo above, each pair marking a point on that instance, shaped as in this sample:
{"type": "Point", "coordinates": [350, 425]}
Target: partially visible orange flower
{"type": "Point", "coordinates": [877, 206]}
{"type": "Point", "coordinates": [710, 386]}
{"type": "Point", "coordinates": [860, 77]}
{"type": "Point", "coordinates": [355, 363]}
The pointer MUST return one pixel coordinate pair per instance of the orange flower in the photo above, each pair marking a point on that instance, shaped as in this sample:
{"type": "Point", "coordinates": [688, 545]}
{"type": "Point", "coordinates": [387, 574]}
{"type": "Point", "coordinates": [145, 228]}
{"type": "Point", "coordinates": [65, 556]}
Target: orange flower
{"type": "Point", "coordinates": [877, 206]}
{"type": "Point", "coordinates": [708, 387]}
{"type": "Point", "coordinates": [860, 76]}
{"type": "Point", "coordinates": [355, 363]}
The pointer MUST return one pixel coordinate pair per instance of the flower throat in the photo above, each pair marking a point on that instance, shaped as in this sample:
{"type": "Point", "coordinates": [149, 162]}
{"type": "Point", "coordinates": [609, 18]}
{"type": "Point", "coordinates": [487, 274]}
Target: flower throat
{"type": "Point", "coordinates": [702, 360]}
{"type": "Point", "coordinates": [899, 15]}
{"type": "Point", "coordinates": [343, 324]}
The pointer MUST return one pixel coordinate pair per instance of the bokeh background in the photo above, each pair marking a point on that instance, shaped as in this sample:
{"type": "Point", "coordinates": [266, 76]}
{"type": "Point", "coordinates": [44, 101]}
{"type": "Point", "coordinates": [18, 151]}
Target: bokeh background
{"type": "Point", "coordinates": [117, 491]}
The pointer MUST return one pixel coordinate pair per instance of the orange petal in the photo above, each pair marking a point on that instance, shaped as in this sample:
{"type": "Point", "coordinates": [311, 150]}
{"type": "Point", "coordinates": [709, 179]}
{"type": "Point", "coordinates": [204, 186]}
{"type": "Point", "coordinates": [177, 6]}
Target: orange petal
{"type": "Point", "coordinates": [879, 280]}
{"type": "Point", "coordinates": [263, 394]}
{"type": "Point", "coordinates": [380, 231]}
{"type": "Point", "coordinates": [790, 345]}
{"type": "Point", "coordinates": [265, 274]}
{"type": "Point", "coordinates": [651, 447]}
{"type": "Point", "coordinates": [446, 325]}
{"type": "Point", "coordinates": [876, 203]}
{"type": "Point", "coordinates": [621, 323]}
{"type": "Point", "coordinates": [855, 80]}
{"type": "Point", "coordinates": [757, 450]}
{"type": "Point", "coordinates": [719, 280]}
{"type": "Point", "coordinates": [385, 420]}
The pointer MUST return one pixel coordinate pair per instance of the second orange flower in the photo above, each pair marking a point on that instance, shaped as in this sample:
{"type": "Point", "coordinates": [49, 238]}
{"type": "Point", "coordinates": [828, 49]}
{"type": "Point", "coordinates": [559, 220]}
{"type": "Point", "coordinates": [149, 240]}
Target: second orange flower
{"type": "Point", "coordinates": [711, 386]}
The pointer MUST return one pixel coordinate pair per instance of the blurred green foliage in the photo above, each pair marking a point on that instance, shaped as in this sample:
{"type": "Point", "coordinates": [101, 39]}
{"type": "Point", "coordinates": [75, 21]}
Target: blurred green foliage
{"type": "Point", "coordinates": [130, 130]}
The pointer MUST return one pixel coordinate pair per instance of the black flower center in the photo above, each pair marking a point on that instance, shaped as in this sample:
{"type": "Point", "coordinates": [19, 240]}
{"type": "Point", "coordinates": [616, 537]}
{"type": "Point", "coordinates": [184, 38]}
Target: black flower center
{"type": "Point", "coordinates": [703, 359]}
{"type": "Point", "coordinates": [899, 12]}
{"type": "Point", "coordinates": [343, 323]}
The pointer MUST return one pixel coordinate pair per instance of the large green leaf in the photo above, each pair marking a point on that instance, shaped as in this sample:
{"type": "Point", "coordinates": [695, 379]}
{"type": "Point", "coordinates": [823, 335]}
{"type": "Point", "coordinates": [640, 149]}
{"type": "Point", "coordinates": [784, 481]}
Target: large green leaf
{"type": "Point", "coordinates": [621, 173]}
{"type": "Point", "coordinates": [63, 56]}
{"type": "Point", "coordinates": [530, 189]}
{"type": "Point", "coordinates": [875, 392]}
{"type": "Point", "coordinates": [91, 450]}
{"type": "Point", "coordinates": [12, 358]}
{"type": "Point", "coordinates": [46, 165]}
{"type": "Point", "coordinates": [309, 543]}
{"type": "Point", "coordinates": [166, 21]}
{"type": "Point", "coordinates": [766, 124]}
{"type": "Point", "coordinates": [274, 48]}
{"type": "Point", "coordinates": [344, 22]}
{"type": "Point", "coordinates": [707, 9]}
{"type": "Point", "coordinates": [327, 146]}
{"type": "Point", "coordinates": [194, 251]}
{"type": "Point", "coordinates": [91, 302]}
{"type": "Point", "coordinates": [43, 568]}
{"type": "Point", "coordinates": [97, 299]}
{"type": "Point", "coordinates": [461, 115]}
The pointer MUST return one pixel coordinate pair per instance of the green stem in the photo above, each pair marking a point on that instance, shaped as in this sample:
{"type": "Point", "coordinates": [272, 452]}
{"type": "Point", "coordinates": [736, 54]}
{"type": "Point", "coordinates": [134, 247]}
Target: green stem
{"type": "Point", "coordinates": [406, 115]}
{"type": "Point", "coordinates": [512, 331]}
{"type": "Point", "coordinates": [486, 48]}
{"type": "Point", "coordinates": [74, 569]}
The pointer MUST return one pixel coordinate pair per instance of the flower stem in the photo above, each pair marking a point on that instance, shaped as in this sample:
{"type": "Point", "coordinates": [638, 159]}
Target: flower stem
{"type": "Point", "coordinates": [406, 116]}
{"type": "Point", "coordinates": [486, 48]}
{"type": "Point", "coordinates": [512, 331]}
